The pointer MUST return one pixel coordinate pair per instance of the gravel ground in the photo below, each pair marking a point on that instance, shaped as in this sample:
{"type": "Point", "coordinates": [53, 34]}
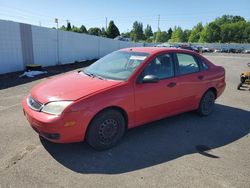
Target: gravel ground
{"type": "Point", "coordinates": [181, 151]}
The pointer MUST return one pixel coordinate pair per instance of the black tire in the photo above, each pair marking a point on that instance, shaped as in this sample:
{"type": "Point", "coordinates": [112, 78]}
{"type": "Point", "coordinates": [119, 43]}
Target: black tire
{"type": "Point", "coordinates": [106, 129]}
{"type": "Point", "coordinates": [239, 86]}
{"type": "Point", "coordinates": [206, 103]}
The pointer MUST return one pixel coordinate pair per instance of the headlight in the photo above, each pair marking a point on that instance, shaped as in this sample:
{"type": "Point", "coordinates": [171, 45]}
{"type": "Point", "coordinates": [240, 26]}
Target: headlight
{"type": "Point", "coordinates": [55, 108]}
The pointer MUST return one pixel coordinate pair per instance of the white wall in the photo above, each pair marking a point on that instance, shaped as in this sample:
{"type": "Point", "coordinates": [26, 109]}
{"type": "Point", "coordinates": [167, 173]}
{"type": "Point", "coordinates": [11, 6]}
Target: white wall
{"type": "Point", "coordinates": [75, 46]}
{"type": "Point", "coordinates": [44, 45]}
{"type": "Point", "coordinates": [107, 45]}
{"type": "Point", "coordinates": [72, 46]}
{"type": "Point", "coordinates": [11, 58]}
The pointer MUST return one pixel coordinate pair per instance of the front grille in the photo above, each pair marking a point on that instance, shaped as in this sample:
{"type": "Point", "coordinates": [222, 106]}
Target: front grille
{"type": "Point", "coordinates": [34, 104]}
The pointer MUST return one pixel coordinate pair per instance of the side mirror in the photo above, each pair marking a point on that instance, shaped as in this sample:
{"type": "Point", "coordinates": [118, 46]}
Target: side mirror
{"type": "Point", "coordinates": [150, 79]}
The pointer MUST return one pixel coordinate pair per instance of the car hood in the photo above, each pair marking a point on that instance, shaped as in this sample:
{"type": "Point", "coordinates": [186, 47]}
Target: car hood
{"type": "Point", "coordinates": [71, 86]}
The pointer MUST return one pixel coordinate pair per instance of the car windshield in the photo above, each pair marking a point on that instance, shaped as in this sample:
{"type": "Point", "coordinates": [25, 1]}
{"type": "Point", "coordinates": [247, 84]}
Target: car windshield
{"type": "Point", "coordinates": [118, 65]}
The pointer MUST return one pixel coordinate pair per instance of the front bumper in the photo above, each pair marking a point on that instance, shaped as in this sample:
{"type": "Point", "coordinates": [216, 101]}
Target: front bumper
{"type": "Point", "coordinates": [66, 128]}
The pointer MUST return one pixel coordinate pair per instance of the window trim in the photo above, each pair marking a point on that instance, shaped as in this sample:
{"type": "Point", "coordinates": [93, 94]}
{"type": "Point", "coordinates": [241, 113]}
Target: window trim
{"type": "Point", "coordinates": [172, 54]}
{"type": "Point", "coordinates": [177, 64]}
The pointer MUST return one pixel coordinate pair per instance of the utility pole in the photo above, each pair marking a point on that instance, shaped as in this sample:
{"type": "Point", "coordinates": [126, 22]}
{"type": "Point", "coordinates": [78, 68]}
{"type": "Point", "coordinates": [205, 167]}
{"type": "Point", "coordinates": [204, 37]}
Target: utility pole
{"type": "Point", "coordinates": [106, 23]}
{"type": "Point", "coordinates": [159, 17]}
{"type": "Point", "coordinates": [57, 40]}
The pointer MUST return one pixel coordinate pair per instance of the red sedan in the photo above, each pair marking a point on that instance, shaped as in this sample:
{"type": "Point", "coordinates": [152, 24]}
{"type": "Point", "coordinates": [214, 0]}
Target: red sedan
{"type": "Point", "coordinates": [122, 90]}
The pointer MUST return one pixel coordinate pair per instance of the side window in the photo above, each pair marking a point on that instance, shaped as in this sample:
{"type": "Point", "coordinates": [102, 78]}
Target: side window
{"type": "Point", "coordinates": [187, 64]}
{"type": "Point", "coordinates": [162, 66]}
{"type": "Point", "coordinates": [204, 66]}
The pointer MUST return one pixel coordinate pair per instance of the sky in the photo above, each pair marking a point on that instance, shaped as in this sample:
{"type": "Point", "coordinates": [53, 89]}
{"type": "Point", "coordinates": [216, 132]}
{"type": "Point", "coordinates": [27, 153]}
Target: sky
{"type": "Point", "coordinates": [93, 13]}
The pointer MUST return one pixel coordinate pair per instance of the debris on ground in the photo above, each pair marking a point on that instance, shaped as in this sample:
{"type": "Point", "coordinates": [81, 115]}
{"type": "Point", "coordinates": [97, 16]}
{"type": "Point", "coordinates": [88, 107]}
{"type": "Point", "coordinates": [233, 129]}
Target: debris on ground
{"type": "Point", "coordinates": [32, 74]}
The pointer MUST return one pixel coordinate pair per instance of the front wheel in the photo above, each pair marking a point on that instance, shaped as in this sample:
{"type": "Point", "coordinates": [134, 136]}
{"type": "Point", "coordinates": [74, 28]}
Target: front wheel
{"type": "Point", "coordinates": [106, 129]}
{"type": "Point", "coordinates": [206, 104]}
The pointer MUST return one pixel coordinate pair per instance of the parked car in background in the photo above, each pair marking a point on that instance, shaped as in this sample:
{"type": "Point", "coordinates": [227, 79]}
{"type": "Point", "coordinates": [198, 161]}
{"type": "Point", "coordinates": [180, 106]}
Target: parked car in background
{"type": "Point", "coordinates": [122, 90]}
{"type": "Point", "coordinates": [232, 50]}
{"type": "Point", "coordinates": [224, 50]}
{"type": "Point", "coordinates": [247, 51]}
{"type": "Point", "coordinates": [208, 50]}
{"type": "Point", "coordinates": [166, 45]}
{"type": "Point", "coordinates": [235, 50]}
{"type": "Point", "coordinates": [218, 50]}
{"type": "Point", "coordinates": [186, 47]}
{"type": "Point", "coordinates": [122, 38]}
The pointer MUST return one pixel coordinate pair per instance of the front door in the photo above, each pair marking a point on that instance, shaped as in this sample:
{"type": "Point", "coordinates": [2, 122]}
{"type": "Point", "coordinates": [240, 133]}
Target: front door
{"type": "Point", "coordinates": [156, 100]}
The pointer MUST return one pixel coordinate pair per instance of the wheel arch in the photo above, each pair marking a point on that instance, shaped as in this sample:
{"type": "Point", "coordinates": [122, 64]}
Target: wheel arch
{"type": "Point", "coordinates": [214, 90]}
{"type": "Point", "coordinates": [118, 108]}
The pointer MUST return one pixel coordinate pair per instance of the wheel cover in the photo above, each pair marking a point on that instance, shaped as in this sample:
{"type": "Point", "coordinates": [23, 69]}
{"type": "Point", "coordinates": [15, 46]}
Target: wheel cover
{"type": "Point", "coordinates": [108, 130]}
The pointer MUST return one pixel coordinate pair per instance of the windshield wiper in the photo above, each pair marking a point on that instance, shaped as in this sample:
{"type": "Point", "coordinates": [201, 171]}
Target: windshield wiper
{"type": "Point", "coordinates": [89, 74]}
{"type": "Point", "coordinates": [101, 78]}
{"type": "Point", "coordinates": [94, 75]}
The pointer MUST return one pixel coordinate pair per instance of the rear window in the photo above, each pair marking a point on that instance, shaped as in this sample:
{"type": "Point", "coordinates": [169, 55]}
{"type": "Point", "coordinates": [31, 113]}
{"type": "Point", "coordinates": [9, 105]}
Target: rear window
{"type": "Point", "coordinates": [187, 64]}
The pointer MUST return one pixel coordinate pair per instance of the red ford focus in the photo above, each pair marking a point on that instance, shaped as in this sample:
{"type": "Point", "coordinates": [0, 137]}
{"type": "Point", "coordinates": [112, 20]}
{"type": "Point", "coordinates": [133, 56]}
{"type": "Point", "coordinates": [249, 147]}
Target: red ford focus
{"type": "Point", "coordinates": [122, 90]}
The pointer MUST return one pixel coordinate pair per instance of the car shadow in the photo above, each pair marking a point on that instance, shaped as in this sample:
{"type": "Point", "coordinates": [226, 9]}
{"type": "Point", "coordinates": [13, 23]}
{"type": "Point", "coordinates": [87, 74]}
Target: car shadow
{"type": "Point", "coordinates": [12, 79]}
{"type": "Point", "coordinates": [157, 142]}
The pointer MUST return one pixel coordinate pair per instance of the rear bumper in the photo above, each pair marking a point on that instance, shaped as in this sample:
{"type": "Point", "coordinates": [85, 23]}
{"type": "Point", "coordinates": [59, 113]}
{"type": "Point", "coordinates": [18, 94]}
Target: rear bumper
{"type": "Point", "coordinates": [66, 128]}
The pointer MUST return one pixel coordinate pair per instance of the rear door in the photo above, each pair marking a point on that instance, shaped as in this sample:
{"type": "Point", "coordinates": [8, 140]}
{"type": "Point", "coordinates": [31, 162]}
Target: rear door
{"type": "Point", "coordinates": [191, 80]}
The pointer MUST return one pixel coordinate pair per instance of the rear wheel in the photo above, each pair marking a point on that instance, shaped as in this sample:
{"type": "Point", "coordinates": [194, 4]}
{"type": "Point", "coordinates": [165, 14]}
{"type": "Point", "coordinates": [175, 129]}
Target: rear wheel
{"type": "Point", "coordinates": [106, 129]}
{"type": "Point", "coordinates": [239, 86]}
{"type": "Point", "coordinates": [207, 103]}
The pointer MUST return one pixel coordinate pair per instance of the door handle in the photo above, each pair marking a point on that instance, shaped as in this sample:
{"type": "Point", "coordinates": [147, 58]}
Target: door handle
{"type": "Point", "coordinates": [201, 77]}
{"type": "Point", "coordinates": [171, 84]}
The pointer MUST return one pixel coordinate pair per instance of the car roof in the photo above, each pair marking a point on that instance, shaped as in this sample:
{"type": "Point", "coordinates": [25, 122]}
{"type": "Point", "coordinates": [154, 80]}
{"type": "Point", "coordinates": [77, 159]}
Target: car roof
{"type": "Point", "coordinates": [154, 50]}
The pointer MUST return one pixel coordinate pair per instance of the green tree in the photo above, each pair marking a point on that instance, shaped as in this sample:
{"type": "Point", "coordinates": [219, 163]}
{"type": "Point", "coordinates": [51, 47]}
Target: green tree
{"type": "Point", "coordinates": [75, 29]}
{"type": "Point", "coordinates": [228, 19]}
{"type": "Point", "coordinates": [238, 19]}
{"type": "Point", "coordinates": [112, 30]}
{"type": "Point", "coordinates": [237, 32]}
{"type": "Point", "coordinates": [95, 31]}
{"type": "Point", "coordinates": [177, 35]}
{"type": "Point", "coordinates": [186, 35]}
{"type": "Point", "coordinates": [148, 32]}
{"type": "Point", "coordinates": [68, 28]}
{"type": "Point", "coordinates": [210, 33]}
{"type": "Point", "coordinates": [246, 33]}
{"type": "Point", "coordinates": [83, 29]}
{"type": "Point", "coordinates": [137, 32]}
{"type": "Point", "coordinates": [126, 34]}
{"type": "Point", "coordinates": [161, 36]}
{"type": "Point", "coordinates": [227, 28]}
{"type": "Point", "coordinates": [195, 33]}
{"type": "Point", "coordinates": [103, 32]}
{"type": "Point", "coordinates": [170, 31]}
{"type": "Point", "coordinates": [63, 28]}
